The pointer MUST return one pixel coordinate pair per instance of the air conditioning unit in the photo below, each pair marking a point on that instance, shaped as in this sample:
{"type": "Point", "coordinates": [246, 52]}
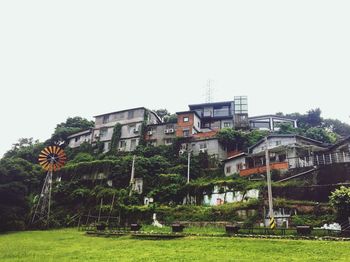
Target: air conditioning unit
{"type": "Point", "coordinates": [166, 131]}
{"type": "Point", "coordinates": [181, 152]}
{"type": "Point", "coordinates": [150, 133]}
{"type": "Point", "coordinates": [171, 130]}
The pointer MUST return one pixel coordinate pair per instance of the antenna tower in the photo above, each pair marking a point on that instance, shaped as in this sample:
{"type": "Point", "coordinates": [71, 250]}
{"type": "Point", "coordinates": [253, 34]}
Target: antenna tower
{"type": "Point", "coordinates": [209, 91]}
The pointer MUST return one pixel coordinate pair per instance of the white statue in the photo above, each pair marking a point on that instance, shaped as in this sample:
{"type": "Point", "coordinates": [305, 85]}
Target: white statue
{"type": "Point", "coordinates": [155, 221]}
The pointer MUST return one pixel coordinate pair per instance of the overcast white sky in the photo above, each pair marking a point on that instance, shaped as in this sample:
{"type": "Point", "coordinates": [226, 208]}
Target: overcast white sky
{"type": "Point", "coordinates": [82, 58]}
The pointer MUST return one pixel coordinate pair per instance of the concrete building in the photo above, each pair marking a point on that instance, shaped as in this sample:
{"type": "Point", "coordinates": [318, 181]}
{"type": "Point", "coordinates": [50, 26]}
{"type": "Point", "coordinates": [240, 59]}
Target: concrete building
{"type": "Point", "coordinates": [219, 115]}
{"type": "Point", "coordinates": [286, 152]}
{"type": "Point", "coordinates": [131, 121]}
{"type": "Point", "coordinates": [270, 122]}
{"type": "Point", "coordinates": [188, 123]}
{"type": "Point", "coordinates": [211, 146]}
{"type": "Point", "coordinates": [77, 139]}
{"type": "Point", "coordinates": [234, 164]}
{"type": "Point", "coordinates": [161, 134]}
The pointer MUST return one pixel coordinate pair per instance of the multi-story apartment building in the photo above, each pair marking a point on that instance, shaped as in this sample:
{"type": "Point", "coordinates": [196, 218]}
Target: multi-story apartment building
{"type": "Point", "coordinates": [131, 121]}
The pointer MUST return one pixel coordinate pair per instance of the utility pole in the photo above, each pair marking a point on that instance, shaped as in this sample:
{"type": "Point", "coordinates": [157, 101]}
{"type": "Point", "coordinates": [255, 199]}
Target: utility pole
{"type": "Point", "coordinates": [269, 188]}
{"type": "Point", "coordinates": [188, 165]}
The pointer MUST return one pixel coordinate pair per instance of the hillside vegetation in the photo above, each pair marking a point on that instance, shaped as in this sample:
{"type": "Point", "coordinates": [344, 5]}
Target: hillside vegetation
{"type": "Point", "coordinates": [163, 171]}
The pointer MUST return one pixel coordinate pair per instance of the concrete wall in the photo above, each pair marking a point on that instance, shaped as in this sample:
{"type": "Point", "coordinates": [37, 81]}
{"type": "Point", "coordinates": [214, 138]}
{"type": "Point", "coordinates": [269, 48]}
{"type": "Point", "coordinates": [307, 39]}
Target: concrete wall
{"type": "Point", "coordinates": [159, 137]}
{"type": "Point", "coordinates": [230, 122]}
{"type": "Point", "coordinates": [233, 164]}
{"type": "Point", "coordinates": [274, 142]}
{"type": "Point", "coordinates": [211, 146]}
{"type": "Point", "coordinates": [124, 117]}
{"type": "Point", "coordinates": [217, 198]}
{"type": "Point", "coordinates": [77, 141]}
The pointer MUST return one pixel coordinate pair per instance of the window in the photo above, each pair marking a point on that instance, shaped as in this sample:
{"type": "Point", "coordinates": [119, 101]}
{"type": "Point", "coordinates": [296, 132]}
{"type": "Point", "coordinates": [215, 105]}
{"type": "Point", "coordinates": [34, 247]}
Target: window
{"type": "Point", "coordinates": [130, 114]}
{"type": "Point", "coordinates": [169, 127]}
{"type": "Point", "coordinates": [76, 139]}
{"type": "Point", "coordinates": [105, 119]}
{"type": "Point", "coordinates": [122, 144]}
{"type": "Point", "coordinates": [203, 146]}
{"type": "Point", "coordinates": [228, 169]}
{"type": "Point", "coordinates": [168, 141]}
{"type": "Point", "coordinates": [227, 124]}
{"type": "Point", "coordinates": [103, 132]}
{"type": "Point", "coordinates": [132, 129]}
{"type": "Point", "coordinates": [278, 143]}
{"type": "Point", "coordinates": [186, 119]}
{"type": "Point", "coordinates": [106, 146]}
{"type": "Point", "coordinates": [186, 132]}
{"type": "Point", "coordinates": [206, 125]}
{"type": "Point", "coordinates": [119, 116]}
{"type": "Point", "coordinates": [133, 144]}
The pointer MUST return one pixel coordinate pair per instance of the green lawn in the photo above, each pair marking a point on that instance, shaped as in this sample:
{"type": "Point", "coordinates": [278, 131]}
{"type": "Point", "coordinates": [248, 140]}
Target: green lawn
{"type": "Point", "coordinates": [71, 245]}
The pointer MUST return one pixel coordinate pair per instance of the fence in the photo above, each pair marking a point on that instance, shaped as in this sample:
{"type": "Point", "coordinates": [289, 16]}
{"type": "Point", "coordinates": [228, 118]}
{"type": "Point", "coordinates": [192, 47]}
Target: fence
{"type": "Point", "coordinates": [319, 160]}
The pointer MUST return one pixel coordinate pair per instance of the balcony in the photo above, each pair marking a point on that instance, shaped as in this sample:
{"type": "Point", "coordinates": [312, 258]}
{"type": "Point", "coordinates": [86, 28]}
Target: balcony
{"type": "Point", "coordinates": [262, 169]}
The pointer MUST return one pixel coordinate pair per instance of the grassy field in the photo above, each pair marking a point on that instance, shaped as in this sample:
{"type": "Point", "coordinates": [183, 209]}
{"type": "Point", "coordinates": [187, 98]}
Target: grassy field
{"type": "Point", "coordinates": [71, 245]}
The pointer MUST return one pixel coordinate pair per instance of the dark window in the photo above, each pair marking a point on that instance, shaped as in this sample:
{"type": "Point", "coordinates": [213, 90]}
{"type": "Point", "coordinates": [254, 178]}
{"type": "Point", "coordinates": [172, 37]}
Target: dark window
{"type": "Point", "coordinates": [186, 132]}
{"type": "Point", "coordinates": [130, 114]}
{"type": "Point", "coordinates": [105, 119]}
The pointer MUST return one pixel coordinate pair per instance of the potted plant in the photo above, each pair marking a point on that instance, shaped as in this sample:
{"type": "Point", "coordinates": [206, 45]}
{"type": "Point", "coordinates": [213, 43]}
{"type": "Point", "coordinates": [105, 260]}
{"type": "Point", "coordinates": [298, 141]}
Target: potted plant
{"type": "Point", "coordinates": [177, 227]}
{"type": "Point", "coordinates": [101, 226]}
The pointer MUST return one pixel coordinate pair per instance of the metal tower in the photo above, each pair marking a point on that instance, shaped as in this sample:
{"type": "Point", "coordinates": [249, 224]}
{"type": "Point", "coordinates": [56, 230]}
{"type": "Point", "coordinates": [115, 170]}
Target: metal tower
{"type": "Point", "coordinates": [51, 158]}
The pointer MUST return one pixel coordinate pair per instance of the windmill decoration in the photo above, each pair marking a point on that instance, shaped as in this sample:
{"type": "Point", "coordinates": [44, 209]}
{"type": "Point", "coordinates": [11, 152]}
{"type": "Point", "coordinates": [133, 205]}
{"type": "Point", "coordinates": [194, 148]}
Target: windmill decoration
{"type": "Point", "coordinates": [51, 158]}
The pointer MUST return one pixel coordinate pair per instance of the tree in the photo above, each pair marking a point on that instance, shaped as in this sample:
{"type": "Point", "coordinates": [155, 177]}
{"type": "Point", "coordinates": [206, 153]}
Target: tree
{"type": "Point", "coordinates": [254, 136]}
{"type": "Point", "coordinates": [232, 139]}
{"type": "Point", "coordinates": [313, 117]}
{"type": "Point", "coordinates": [162, 112]}
{"type": "Point", "coordinates": [336, 126]}
{"type": "Point", "coordinates": [71, 126]}
{"type": "Point", "coordinates": [18, 179]}
{"type": "Point", "coordinates": [321, 134]}
{"type": "Point", "coordinates": [287, 128]}
{"type": "Point", "coordinates": [26, 149]}
{"type": "Point", "coordinates": [170, 118]}
{"type": "Point", "coordinates": [340, 200]}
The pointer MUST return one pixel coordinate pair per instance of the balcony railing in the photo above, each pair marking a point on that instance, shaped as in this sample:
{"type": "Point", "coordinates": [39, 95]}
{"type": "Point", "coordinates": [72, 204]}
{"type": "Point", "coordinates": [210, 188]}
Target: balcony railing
{"type": "Point", "coordinates": [262, 169]}
{"type": "Point", "coordinates": [300, 162]}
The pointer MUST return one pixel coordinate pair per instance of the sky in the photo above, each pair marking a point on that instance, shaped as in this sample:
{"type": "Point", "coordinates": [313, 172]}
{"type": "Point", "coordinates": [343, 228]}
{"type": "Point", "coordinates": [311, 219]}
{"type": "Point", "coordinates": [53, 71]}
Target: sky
{"type": "Point", "coordinates": [60, 59]}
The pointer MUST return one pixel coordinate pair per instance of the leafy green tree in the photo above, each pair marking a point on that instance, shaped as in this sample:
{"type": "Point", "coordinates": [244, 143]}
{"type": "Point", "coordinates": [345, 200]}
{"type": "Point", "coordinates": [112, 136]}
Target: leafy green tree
{"type": "Point", "coordinates": [340, 200]}
{"type": "Point", "coordinates": [254, 136]}
{"type": "Point", "coordinates": [232, 139]}
{"type": "Point", "coordinates": [287, 128]}
{"type": "Point", "coordinates": [26, 149]}
{"type": "Point", "coordinates": [71, 126]}
{"type": "Point", "coordinates": [321, 134]}
{"type": "Point", "coordinates": [18, 179]}
{"type": "Point", "coordinates": [336, 126]}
